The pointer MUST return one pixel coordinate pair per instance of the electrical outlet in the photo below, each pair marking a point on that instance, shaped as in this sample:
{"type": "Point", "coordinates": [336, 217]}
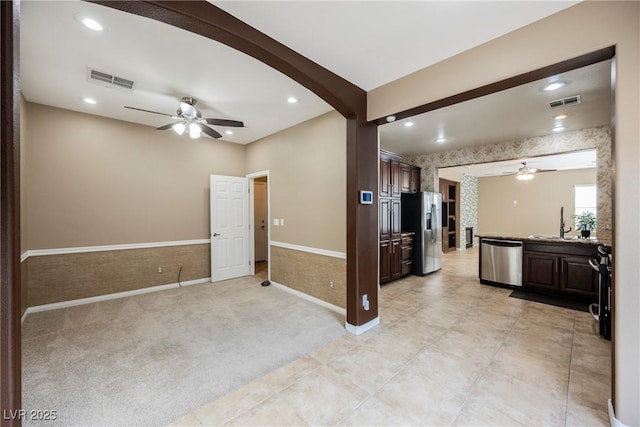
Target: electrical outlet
{"type": "Point", "coordinates": [331, 284]}
{"type": "Point", "coordinates": [159, 269]}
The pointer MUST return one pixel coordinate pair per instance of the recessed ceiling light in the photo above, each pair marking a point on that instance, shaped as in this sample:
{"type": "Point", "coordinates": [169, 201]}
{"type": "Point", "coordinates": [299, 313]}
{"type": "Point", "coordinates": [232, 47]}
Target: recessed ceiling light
{"type": "Point", "coordinates": [391, 119]}
{"type": "Point", "coordinates": [408, 124]}
{"type": "Point", "coordinates": [558, 129]}
{"type": "Point", "coordinates": [89, 101]}
{"type": "Point", "coordinates": [554, 86]}
{"type": "Point", "coordinates": [228, 132]}
{"type": "Point", "coordinates": [292, 100]}
{"type": "Point", "coordinates": [441, 140]}
{"type": "Point", "coordinates": [560, 116]}
{"type": "Point", "coordinates": [92, 24]}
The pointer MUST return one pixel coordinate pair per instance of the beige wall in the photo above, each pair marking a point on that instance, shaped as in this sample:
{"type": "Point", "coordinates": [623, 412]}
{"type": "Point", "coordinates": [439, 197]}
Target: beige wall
{"type": "Point", "coordinates": [97, 181]}
{"type": "Point", "coordinates": [578, 30]}
{"type": "Point", "coordinates": [521, 208]}
{"type": "Point", "coordinates": [307, 181]}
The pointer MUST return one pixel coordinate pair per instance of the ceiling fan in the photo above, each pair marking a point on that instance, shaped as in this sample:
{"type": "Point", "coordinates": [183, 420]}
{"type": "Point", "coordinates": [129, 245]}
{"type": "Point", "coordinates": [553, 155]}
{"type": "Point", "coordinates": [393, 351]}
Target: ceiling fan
{"type": "Point", "coordinates": [190, 119]}
{"type": "Point", "coordinates": [526, 173]}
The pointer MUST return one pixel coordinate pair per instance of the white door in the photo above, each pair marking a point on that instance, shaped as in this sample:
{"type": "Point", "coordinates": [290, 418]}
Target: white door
{"type": "Point", "coordinates": [260, 221]}
{"type": "Point", "coordinates": [229, 227]}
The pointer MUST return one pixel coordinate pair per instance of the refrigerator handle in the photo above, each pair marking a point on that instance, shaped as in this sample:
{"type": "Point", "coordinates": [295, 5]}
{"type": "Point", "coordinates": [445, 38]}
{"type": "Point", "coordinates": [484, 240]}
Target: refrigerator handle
{"type": "Point", "coordinates": [434, 220]}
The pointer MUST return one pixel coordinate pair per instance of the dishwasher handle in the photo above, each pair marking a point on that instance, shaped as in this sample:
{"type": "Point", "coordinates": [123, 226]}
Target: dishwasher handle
{"type": "Point", "coordinates": [503, 243]}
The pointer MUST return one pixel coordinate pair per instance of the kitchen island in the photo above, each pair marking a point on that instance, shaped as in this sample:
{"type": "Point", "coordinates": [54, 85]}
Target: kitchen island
{"type": "Point", "coordinates": [549, 265]}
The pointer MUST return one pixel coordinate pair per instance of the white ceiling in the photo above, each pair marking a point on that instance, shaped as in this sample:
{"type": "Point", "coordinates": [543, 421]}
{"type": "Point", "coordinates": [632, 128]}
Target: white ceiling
{"type": "Point", "coordinates": [367, 42]}
{"type": "Point", "coordinates": [371, 43]}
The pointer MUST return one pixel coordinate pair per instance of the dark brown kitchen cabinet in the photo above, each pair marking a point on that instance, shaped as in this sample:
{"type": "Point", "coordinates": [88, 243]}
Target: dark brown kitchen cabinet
{"type": "Point", "coordinates": [396, 250]}
{"type": "Point", "coordinates": [397, 177]}
{"type": "Point", "coordinates": [385, 176]}
{"type": "Point", "coordinates": [577, 277]}
{"type": "Point", "coordinates": [391, 264]}
{"type": "Point", "coordinates": [406, 254]}
{"type": "Point", "coordinates": [409, 178]}
{"type": "Point", "coordinates": [385, 219]}
{"type": "Point", "coordinates": [560, 270]}
{"type": "Point", "coordinates": [390, 210]}
{"type": "Point", "coordinates": [395, 260]}
{"type": "Point", "coordinates": [415, 180]}
{"type": "Point", "coordinates": [389, 175]}
{"type": "Point", "coordinates": [385, 259]}
{"type": "Point", "coordinates": [541, 271]}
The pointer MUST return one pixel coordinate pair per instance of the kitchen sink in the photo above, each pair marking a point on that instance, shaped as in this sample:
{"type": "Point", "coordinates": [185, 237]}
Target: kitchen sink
{"type": "Point", "coordinates": [538, 236]}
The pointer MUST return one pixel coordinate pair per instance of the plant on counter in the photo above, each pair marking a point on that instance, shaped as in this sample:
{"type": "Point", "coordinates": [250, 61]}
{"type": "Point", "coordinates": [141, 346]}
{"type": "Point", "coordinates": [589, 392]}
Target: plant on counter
{"type": "Point", "coordinates": [586, 221]}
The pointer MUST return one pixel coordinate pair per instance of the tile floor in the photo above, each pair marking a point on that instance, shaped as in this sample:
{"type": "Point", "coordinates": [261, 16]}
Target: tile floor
{"type": "Point", "coordinates": [449, 351]}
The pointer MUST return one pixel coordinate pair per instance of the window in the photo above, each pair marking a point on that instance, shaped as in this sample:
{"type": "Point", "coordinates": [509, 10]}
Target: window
{"type": "Point", "coordinates": [586, 198]}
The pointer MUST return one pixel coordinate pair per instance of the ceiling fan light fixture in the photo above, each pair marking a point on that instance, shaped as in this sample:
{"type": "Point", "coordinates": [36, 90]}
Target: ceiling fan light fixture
{"type": "Point", "coordinates": [292, 100]}
{"type": "Point", "coordinates": [194, 131]}
{"type": "Point", "coordinates": [89, 101]}
{"type": "Point", "coordinates": [524, 176]}
{"type": "Point", "coordinates": [179, 128]}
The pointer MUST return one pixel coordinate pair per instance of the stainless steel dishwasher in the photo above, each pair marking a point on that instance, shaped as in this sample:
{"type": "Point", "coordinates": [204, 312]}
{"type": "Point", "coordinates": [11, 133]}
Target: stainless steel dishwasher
{"type": "Point", "coordinates": [501, 261]}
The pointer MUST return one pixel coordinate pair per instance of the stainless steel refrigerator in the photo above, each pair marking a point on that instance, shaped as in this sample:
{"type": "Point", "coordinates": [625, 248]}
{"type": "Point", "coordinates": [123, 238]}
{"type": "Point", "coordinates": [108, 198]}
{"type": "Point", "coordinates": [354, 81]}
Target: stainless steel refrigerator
{"type": "Point", "coordinates": [422, 214]}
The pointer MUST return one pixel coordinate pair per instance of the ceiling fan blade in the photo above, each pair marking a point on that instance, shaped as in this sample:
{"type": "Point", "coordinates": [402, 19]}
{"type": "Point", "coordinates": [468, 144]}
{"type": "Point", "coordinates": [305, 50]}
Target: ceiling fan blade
{"type": "Point", "coordinates": [224, 122]}
{"type": "Point", "coordinates": [167, 126]}
{"type": "Point", "coordinates": [148, 111]}
{"type": "Point", "coordinates": [212, 133]}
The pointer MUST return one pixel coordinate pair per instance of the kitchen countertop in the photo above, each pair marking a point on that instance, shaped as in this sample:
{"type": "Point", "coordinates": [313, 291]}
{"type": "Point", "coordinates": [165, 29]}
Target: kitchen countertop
{"type": "Point", "coordinates": [546, 239]}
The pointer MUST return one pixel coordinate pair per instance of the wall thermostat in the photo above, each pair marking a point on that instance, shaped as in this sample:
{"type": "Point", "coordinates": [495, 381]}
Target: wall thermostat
{"type": "Point", "coordinates": [366, 197]}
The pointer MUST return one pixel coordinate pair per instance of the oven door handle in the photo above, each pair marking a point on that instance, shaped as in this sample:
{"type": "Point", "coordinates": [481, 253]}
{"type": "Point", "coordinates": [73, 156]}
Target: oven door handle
{"type": "Point", "coordinates": [594, 265]}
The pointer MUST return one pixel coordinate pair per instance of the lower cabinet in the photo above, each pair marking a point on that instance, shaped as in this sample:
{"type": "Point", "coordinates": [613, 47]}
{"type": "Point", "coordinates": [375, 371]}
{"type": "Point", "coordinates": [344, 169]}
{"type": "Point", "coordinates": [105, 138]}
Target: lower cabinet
{"type": "Point", "coordinates": [396, 258]}
{"type": "Point", "coordinates": [385, 260]}
{"type": "Point", "coordinates": [560, 270]}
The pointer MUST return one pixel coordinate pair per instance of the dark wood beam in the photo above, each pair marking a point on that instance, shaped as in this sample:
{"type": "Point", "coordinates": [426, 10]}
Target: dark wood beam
{"type": "Point", "coordinates": [205, 19]}
{"type": "Point", "coordinates": [531, 76]}
{"type": "Point", "coordinates": [10, 343]}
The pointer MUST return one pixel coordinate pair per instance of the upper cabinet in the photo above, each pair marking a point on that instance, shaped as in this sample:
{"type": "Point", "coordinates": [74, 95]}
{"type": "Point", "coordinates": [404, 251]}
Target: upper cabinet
{"type": "Point", "coordinates": [397, 177]}
{"type": "Point", "coordinates": [409, 178]}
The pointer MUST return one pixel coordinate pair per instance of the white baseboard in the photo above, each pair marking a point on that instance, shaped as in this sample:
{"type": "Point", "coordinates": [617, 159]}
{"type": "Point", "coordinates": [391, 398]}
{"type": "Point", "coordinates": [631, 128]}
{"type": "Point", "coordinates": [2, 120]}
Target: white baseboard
{"type": "Point", "coordinates": [91, 300]}
{"type": "Point", "coordinates": [308, 297]}
{"type": "Point", "coordinates": [361, 329]}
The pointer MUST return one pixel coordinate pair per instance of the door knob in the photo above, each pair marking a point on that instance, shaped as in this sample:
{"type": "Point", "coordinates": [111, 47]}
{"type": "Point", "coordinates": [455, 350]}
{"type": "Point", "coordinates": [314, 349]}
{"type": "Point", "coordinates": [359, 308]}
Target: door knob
{"type": "Point", "coordinates": [215, 234]}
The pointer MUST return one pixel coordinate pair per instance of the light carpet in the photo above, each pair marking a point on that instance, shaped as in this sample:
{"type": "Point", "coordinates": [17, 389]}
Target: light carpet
{"type": "Point", "coordinates": [148, 359]}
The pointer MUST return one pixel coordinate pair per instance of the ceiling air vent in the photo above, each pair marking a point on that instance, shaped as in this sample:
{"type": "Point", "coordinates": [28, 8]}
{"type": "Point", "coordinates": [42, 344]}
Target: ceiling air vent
{"type": "Point", "coordinates": [109, 80]}
{"type": "Point", "coordinates": [571, 100]}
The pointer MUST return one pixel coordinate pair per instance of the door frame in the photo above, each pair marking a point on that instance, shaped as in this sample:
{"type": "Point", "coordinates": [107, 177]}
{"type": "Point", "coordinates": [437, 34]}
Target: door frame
{"type": "Point", "coordinates": [252, 232]}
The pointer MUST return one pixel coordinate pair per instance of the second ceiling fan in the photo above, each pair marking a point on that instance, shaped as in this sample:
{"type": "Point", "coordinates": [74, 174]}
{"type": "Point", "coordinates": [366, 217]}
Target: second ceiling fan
{"type": "Point", "coordinates": [190, 120]}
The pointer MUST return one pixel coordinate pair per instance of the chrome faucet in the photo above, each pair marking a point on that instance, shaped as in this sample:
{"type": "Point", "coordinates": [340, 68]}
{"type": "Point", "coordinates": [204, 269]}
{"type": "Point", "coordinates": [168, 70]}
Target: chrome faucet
{"type": "Point", "coordinates": [562, 230]}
